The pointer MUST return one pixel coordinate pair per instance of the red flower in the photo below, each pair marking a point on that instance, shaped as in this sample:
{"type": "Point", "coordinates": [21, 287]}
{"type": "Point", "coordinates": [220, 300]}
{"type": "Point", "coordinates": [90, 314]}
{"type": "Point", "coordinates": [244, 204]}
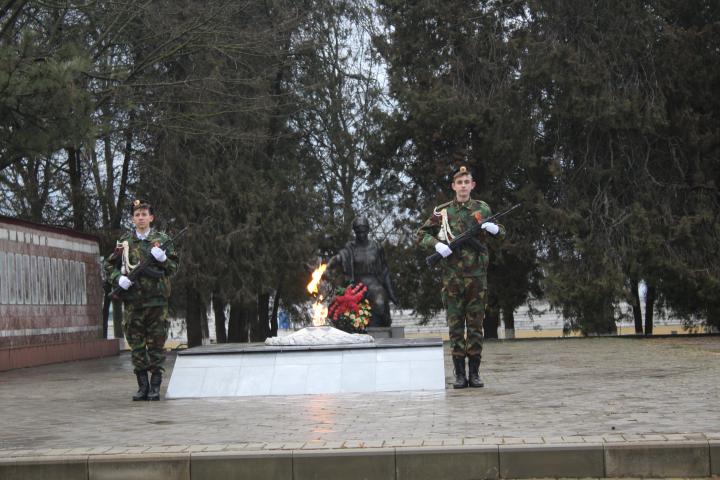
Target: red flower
{"type": "Point", "coordinates": [348, 301]}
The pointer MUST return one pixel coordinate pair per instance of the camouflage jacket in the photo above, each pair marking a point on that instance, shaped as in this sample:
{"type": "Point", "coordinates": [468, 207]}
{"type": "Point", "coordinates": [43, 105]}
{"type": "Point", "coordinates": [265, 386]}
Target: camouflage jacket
{"type": "Point", "coordinates": [469, 261]}
{"type": "Point", "coordinates": [147, 290]}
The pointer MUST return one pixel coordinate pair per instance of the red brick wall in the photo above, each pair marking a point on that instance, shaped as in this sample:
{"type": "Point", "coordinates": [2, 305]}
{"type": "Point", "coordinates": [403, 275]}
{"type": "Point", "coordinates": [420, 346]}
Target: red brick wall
{"type": "Point", "coordinates": [53, 300]}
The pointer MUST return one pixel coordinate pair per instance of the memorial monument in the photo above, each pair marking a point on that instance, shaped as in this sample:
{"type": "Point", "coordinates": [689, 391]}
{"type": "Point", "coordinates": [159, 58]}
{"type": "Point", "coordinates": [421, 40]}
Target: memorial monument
{"type": "Point", "coordinates": [362, 260]}
{"type": "Point", "coordinates": [321, 358]}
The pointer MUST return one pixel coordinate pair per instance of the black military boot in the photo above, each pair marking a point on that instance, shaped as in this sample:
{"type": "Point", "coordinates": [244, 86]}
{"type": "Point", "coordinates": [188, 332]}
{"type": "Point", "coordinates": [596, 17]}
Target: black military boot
{"type": "Point", "coordinates": [474, 366]}
{"type": "Point", "coordinates": [155, 381]}
{"type": "Point", "coordinates": [460, 379]}
{"type": "Point", "coordinates": [143, 386]}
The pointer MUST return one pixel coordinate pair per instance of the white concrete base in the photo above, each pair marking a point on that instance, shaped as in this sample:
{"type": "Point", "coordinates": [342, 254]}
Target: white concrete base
{"type": "Point", "coordinates": [308, 371]}
{"type": "Point", "coordinates": [324, 335]}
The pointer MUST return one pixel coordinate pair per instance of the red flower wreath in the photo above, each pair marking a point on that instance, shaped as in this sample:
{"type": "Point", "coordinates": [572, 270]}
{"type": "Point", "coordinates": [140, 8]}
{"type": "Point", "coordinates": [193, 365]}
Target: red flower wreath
{"type": "Point", "coordinates": [349, 311]}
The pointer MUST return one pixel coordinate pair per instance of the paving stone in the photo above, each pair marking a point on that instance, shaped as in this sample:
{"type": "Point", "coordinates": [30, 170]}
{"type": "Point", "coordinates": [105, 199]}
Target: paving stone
{"type": "Point", "coordinates": [512, 441]}
{"type": "Point", "coordinates": [228, 447]}
{"type": "Point", "coordinates": [493, 440]}
{"type": "Point", "coordinates": [136, 450]}
{"type": "Point", "coordinates": [313, 445]}
{"type": "Point", "coordinates": [79, 451]}
{"type": "Point", "coordinates": [474, 441]}
{"type": "Point", "coordinates": [195, 448]}
{"type": "Point", "coordinates": [394, 442]}
{"type": "Point", "coordinates": [336, 444]}
{"type": "Point", "coordinates": [432, 443]}
{"type": "Point", "coordinates": [254, 446]}
{"type": "Point", "coordinates": [292, 445]}
{"type": "Point", "coordinates": [533, 440]}
{"type": "Point", "coordinates": [614, 439]}
{"type": "Point", "coordinates": [353, 444]}
{"type": "Point", "coordinates": [274, 446]}
{"type": "Point", "coordinates": [373, 443]}
{"type": "Point", "coordinates": [412, 442]}
{"type": "Point", "coordinates": [167, 449]}
{"type": "Point", "coordinates": [452, 442]}
{"type": "Point", "coordinates": [52, 452]}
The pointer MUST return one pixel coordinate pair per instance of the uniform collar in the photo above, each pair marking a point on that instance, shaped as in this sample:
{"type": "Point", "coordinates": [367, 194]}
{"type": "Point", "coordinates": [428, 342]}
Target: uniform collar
{"type": "Point", "coordinates": [465, 204]}
{"type": "Point", "coordinates": [140, 236]}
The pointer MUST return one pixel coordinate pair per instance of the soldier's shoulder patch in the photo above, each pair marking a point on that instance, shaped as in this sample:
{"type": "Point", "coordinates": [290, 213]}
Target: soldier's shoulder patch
{"type": "Point", "coordinates": [480, 205]}
{"type": "Point", "coordinates": [481, 210]}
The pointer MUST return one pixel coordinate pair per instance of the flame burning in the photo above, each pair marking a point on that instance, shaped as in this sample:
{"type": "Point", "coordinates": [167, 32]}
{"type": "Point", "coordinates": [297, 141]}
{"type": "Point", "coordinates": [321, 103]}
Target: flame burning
{"type": "Point", "coordinates": [320, 311]}
{"type": "Point", "coordinates": [312, 287]}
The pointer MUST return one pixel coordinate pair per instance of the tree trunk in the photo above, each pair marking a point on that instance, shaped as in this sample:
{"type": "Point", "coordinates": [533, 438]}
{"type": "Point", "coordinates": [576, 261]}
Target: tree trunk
{"type": "Point", "coordinates": [637, 312]}
{"type": "Point", "coordinates": [264, 316]}
{"type": "Point", "coordinates": [109, 193]}
{"type": "Point", "coordinates": [125, 172]}
{"type": "Point", "coordinates": [237, 326]}
{"type": "Point", "coordinates": [219, 309]}
{"type": "Point", "coordinates": [117, 309]}
{"type": "Point", "coordinates": [274, 315]}
{"type": "Point", "coordinates": [649, 309]}
{"type": "Point", "coordinates": [204, 325]}
{"type": "Point", "coordinates": [233, 334]}
{"type": "Point", "coordinates": [244, 323]}
{"type": "Point", "coordinates": [508, 316]}
{"type": "Point", "coordinates": [492, 318]}
{"type": "Point", "coordinates": [99, 189]}
{"type": "Point", "coordinates": [193, 316]}
{"type": "Point", "coordinates": [251, 315]}
{"type": "Point", "coordinates": [77, 199]}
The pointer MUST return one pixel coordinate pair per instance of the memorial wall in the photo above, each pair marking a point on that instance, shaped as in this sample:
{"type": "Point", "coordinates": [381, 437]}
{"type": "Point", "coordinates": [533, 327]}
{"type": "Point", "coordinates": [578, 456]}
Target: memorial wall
{"type": "Point", "coordinates": [50, 295]}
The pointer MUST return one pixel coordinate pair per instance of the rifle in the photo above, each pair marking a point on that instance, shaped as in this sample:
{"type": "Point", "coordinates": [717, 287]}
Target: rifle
{"type": "Point", "coordinates": [468, 235]}
{"type": "Point", "coordinates": [145, 264]}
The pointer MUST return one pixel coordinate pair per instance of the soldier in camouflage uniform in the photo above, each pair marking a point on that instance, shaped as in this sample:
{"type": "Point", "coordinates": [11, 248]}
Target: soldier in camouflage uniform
{"type": "Point", "coordinates": [464, 272]}
{"type": "Point", "coordinates": [145, 301]}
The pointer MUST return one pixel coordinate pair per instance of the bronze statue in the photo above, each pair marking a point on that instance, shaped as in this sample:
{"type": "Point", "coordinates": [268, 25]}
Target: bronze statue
{"type": "Point", "coordinates": [363, 261]}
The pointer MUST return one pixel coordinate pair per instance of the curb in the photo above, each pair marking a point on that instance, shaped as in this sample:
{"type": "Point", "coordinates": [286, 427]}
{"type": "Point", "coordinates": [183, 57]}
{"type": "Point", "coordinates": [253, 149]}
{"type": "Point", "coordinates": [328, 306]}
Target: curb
{"type": "Point", "coordinates": [598, 460]}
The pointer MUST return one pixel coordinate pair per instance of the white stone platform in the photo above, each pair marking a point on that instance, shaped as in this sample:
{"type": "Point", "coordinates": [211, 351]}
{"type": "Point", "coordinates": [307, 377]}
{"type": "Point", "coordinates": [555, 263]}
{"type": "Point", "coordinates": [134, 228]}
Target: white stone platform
{"type": "Point", "coordinates": [230, 370]}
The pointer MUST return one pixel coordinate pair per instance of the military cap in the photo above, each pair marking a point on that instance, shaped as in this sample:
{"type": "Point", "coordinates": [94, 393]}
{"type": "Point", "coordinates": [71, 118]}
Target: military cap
{"type": "Point", "coordinates": [139, 204]}
{"type": "Point", "coordinates": [460, 171]}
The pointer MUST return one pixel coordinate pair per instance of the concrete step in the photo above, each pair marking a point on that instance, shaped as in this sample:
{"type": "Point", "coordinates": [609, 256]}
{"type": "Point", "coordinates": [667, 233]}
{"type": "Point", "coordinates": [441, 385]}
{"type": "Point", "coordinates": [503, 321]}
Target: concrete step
{"type": "Point", "coordinates": [462, 462]}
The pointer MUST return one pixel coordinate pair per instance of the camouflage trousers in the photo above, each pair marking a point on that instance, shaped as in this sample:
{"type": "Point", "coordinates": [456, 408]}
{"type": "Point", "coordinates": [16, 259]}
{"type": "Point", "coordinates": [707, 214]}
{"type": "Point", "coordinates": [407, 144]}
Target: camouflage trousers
{"type": "Point", "coordinates": [146, 330]}
{"type": "Point", "coordinates": [464, 301]}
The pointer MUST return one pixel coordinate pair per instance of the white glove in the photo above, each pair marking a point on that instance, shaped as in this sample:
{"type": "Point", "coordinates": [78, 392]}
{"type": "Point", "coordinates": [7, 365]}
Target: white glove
{"type": "Point", "coordinates": [159, 254]}
{"type": "Point", "coordinates": [490, 227]}
{"type": "Point", "coordinates": [442, 249]}
{"type": "Point", "coordinates": [124, 282]}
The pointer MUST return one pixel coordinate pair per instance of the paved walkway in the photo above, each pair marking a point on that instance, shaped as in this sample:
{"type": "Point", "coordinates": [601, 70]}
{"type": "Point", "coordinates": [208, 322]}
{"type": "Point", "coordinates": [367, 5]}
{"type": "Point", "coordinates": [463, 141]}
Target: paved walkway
{"type": "Point", "coordinates": [539, 391]}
